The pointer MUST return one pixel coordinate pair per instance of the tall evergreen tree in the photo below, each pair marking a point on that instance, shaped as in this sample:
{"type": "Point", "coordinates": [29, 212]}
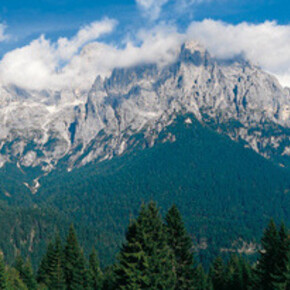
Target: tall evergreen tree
{"type": "Point", "coordinates": [73, 267]}
{"type": "Point", "coordinates": [217, 274]}
{"type": "Point", "coordinates": [146, 254]}
{"type": "Point", "coordinates": [269, 256]}
{"type": "Point", "coordinates": [131, 272]}
{"type": "Point", "coordinates": [279, 275]}
{"type": "Point", "coordinates": [25, 272]}
{"type": "Point", "coordinates": [238, 274]}
{"type": "Point", "coordinates": [19, 265]}
{"type": "Point", "coordinates": [201, 280]}
{"type": "Point", "coordinates": [3, 274]}
{"type": "Point", "coordinates": [55, 266]}
{"type": "Point", "coordinates": [95, 272]}
{"type": "Point", "coordinates": [14, 281]}
{"type": "Point", "coordinates": [43, 273]}
{"type": "Point", "coordinates": [28, 276]}
{"type": "Point", "coordinates": [181, 244]}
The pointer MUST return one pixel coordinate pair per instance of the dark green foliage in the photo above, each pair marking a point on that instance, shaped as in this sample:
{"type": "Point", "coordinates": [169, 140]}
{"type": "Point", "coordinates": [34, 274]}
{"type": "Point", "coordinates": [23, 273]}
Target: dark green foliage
{"type": "Point", "coordinates": [238, 276]}
{"type": "Point", "coordinates": [269, 258]}
{"type": "Point", "coordinates": [14, 281]}
{"type": "Point", "coordinates": [27, 276]}
{"type": "Point", "coordinates": [73, 262]}
{"type": "Point", "coordinates": [3, 274]}
{"type": "Point", "coordinates": [181, 245]}
{"type": "Point", "coordinates": [151, 258]}
{"type": "Point", "coordinates": [56, 264]}
{"type": "Point", "coordinates": [95, 272]}
{"type": "Point", "coordinates": [217, 184]}
{"type": "Point", "coordinates": [218, 274]}
{"type": "Point", "coordinates": [43, 273]}
{"type": "Point", "coordinates": [280, 271]}
{"type": "Point", "coordinates": [200, 281]}
{"type": "Point", "coordinates": [109, 278]}
{"type": "Point", "coordinates": [146, 261]}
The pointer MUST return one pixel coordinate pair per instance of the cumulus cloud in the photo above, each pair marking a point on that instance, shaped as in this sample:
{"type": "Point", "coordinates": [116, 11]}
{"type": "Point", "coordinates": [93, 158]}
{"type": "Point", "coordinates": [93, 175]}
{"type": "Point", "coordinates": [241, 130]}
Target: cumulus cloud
{"type": "Point", "coordinates": [42, 63]}
{"type": "Point", "coordinates": [266, 44]}
{"type": "Point", "coordinates": [75, 63]}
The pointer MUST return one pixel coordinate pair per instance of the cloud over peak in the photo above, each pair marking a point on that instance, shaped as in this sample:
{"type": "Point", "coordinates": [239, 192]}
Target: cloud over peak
{"type": "Point", "coordinates": [265, 44]}
{"type": "Point", "coordinates": [76, 62]}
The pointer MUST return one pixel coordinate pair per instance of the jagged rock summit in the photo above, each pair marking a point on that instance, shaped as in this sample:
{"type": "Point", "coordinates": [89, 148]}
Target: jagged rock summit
{"type": "Point", "coordinates": [235, 97]}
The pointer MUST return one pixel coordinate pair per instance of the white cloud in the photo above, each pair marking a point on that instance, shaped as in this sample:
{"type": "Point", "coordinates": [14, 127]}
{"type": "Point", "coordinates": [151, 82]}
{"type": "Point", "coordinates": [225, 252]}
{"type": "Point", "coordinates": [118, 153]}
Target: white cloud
{"type": "Point", "coordinates": [42, 64]}
{"type": "Point", "coordinates": [3, 35]}
{"type": "Point", "coordinates": [76, 62]}
{"type": "Point", "coordinates": [266, 44]}
{"type": "Point", "coordinates": [152, 8]}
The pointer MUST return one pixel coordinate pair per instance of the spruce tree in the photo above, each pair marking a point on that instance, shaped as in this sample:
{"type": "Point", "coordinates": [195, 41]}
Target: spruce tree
{"type": "Point", "coordinates": [146, 254]}
{"type": "Point", "coordinates": [238, 274]}
{"type": "Point", "coordinates": [181, 244]}
{"type": "Point", "coordinates": [131, 272]}
{"type": "Point", "coordinates": [218, 275]}
{"type": "Point", "coordinates": [279, 275]}
{"type": "Point", "coordinates": [43, 273]}
{"type": "Point", "coordinates": [55, 266]}
{"type": "Point", "coordinates": [19, 265]}
{"type": "Point", "coordinates": [25, 272]}
{"type": "Point", "coordinates": [95, 272]}
{"type": "Point", "coordinates": [200, 281]}
{"type": "Point", "coordinates": [3, 274]}
{"type": "Point", "coordinates": [14, 281]}
{"type": "Point", "coordinates": [28, 276]}
{"type": "Point", "coordinates": [268, 262]}
{"type": "Point", "coordinates": [73, 268]}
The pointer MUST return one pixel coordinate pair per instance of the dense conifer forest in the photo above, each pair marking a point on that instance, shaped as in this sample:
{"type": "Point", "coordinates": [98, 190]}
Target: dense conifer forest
{"type": "Point", "coordinates": [226, 193]}
{"type": "Point", "coordinates": [157, 253]}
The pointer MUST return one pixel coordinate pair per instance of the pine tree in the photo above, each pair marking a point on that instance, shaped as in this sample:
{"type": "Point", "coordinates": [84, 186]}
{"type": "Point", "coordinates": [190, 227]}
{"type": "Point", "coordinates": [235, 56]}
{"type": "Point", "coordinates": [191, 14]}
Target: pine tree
{"type": "Point", "coordinates": [146, 254]}
{"type": "Point", "coordinates": [109, 278]}
{"type": "Point", "coordinates": [28, 276]}
{"type": "Point", "coordinates": [217, 274]}
{"type": "Point", "coordinates": [14, 281]}
{"type": "Point", "coordinates": [200, 281]}
{"type": "Point", "coordinates": [3, 274]}
{"type": "Point", "coordinates": [280, 274]}
{"type": "Point", "coordinates": [131, 272]}
{"type": "Point", "coordinates": [19, 265]}
{"type": "Point", "coordinates": [181, 244]}
{"type": "Point", "coordinates": [95, 272]}
{"type": "Point", "coordinates": [238, 274]}
{"type": "Point", "coordinates": [73, 268]}
{"type": "Point", "coordinates": [55, 266]}
{"type": "Point", "coordinates": [25, 272]}
{"type": "Point", "coordinates": [269, 256]}
{"type": "Point", "coordinates": [43, 273]}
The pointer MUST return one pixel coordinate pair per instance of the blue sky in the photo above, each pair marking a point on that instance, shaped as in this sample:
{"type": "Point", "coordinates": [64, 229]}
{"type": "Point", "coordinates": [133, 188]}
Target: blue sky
{"type": "Point", "coordinates": [41, 40]}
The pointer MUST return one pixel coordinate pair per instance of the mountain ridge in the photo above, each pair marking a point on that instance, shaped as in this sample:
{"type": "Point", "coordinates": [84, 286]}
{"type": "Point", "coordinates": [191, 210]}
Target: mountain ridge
{"type": "Point", "coordinates": [236, 98]}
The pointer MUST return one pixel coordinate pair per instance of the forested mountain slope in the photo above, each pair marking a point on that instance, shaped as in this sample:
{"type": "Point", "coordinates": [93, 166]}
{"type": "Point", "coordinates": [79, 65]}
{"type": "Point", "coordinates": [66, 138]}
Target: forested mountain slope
{"type": "Point", "coordinates": [225, 192]}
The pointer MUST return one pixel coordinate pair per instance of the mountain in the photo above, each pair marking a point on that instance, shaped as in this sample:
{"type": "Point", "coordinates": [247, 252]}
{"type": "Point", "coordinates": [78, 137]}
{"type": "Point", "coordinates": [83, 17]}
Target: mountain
{"type": "Point", "coordinates": [45, 129]}
{"type": "Point", "coordinates": [226, 193]}
{"type": "Point", "coordinates": [210, 135]}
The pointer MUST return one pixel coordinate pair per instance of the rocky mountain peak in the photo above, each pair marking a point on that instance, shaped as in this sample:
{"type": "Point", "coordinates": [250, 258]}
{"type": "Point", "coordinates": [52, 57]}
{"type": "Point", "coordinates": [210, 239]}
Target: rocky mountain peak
{"type": "Point", "coordinates": [77, 127]}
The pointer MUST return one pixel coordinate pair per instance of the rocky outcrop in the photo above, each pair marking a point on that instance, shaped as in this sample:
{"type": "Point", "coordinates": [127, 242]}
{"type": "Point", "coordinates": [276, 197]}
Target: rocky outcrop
{"type": "Point", "coordinates": [235, 97]}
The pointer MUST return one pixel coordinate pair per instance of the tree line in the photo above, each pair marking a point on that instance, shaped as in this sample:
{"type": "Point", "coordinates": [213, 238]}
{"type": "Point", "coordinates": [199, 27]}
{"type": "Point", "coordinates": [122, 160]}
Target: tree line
{"type": "Point", "coordinates": [156, 254]}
